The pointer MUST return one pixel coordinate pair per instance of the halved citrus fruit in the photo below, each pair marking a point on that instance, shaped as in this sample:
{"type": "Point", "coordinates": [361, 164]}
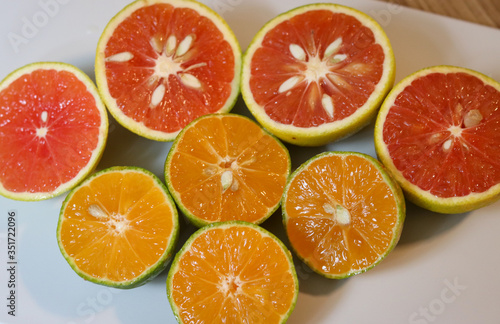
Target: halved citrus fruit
{"type": "Point", "coordinates": [226, 167]}
{"type": "Point", "coordinates": [53, 129]}
{"type": "Point", "coordinates": [343, 213]}
{"type": "Point", "coordinates": [162, 63]}
{"type": "Point", "coordinates": [438, 132]}
{"type": "Point", "coordinates": [232, 272]}
{"type": "Point", "coordinates": [317, 73]}
{"type": "Point", "coordinates": [118, 228]}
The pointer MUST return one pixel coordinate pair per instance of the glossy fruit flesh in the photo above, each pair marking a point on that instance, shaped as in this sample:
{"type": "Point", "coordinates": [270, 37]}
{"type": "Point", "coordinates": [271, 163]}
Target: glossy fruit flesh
{"type": "Point", "coordinates": [342, 213]}
{"type": "Point", "coordinates": [317, 67]}
{"type": "Point", "coordinates": [180, 66]}
{"type": "Point", "coordinates": [443, 134]}
{"type": "Point", "coordinates": [232, 273]}
{"type": "Point", "coordinates": [52, 130]}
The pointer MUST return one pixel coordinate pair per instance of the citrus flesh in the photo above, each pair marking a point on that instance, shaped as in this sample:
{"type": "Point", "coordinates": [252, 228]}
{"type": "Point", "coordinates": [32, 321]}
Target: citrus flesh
{"type": "Point", "coordinates": [343, 213]}
{"type": "Point", "coordinates": [226, 167]}
{"type": "Point", "coordinates": [160, 64]}
{"type": "Point", "coordinates": [438, 132]}
{"type": "Point", "coordinates": [118, 228]}
{"type": "Point", "coordinates": [53, 129]}
{"type": "Point", "coordinates": [317, 73]}
{"type": "Point", "coordinates": [232, 272]}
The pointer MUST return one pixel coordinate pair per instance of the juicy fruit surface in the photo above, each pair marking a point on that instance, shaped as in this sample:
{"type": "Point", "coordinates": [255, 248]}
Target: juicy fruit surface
{"type": "Point", "coordinates": [317, 67]}
{"type": "Point", "coordinates": [442, 133]}
{"type": "Point", "coordinates": [178, 67]}
{"type": "Point", "coordinates": [51, 124]}
{"type": "Point", "coordinates": [118, 227]}
{"type": "Point", "coordinates": [342, 214]}
{"type": "Point", "coordinates": [232, 273]}
{"type": "Point", "coordinates": [225, 167]}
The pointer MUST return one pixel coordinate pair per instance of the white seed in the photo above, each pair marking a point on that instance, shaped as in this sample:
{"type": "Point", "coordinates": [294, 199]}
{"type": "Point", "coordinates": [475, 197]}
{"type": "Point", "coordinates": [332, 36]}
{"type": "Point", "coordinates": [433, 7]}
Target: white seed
{"type": "Point", "coordinates": [44, 116]}
{"type": "Point", "coordinates": [96, 211]}
{"type": "Point", "coordinates": [289, 84]}
{"type": "Point", "coordinates": [472, 118]}
{"type": "Point", "coordinates": [297, 52]}
{"type": "Point", "coordinates": [226, 179]}
{"type": "Point", "coordinates": [343, 216]}
{"type": "Point", "coordinates": [155, 44]}
{"type": "Point", "coordinates": [120, 57]}
{"type": "Point", "coordinates": [190, 80]}
{"type": "Point", "coordinates": [447, 145]}
{"type": "Point", "coordinates": [338, 58]}
{"type": "Point", "coordinates": [184, 45]}
{"type": "Point", "coordinates": [157, 95]}
{"type": "Point", "coordinates": [327, 103]}
{"type": "Point", "coordinates": [333, 47]}
{"type": "Point", "coordinates": [171, 44]}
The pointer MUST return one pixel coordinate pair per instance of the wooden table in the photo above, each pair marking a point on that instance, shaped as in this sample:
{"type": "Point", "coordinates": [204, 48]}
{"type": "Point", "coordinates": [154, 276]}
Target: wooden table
{"type": "Point", "coordinates": [484, 12]}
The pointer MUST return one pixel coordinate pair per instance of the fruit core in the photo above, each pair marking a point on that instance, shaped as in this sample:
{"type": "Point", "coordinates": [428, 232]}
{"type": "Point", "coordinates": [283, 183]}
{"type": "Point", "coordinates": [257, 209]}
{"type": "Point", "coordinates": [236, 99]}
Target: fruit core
{"type": "Point", "coordinates": [230, 285]}
{"type": "Point", "coordinates": [339, 213]}
{"type": "Point", "coordinates": [169, 60]}
{"type": "Point", "coordinates": [319, 69]}
{"type": "Point", "coordinates": [117, 222]}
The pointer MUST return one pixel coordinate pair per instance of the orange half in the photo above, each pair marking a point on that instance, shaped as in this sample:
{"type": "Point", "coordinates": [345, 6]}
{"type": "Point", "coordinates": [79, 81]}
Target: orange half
{"type": "Point", "coordinates": [232, 272]}
{"type": "Point", "coordinates": [118, 228]}
{"type": "Point", "coordinates": [343, 213]}
{"type": "Point", "coordinates": [225, 167]}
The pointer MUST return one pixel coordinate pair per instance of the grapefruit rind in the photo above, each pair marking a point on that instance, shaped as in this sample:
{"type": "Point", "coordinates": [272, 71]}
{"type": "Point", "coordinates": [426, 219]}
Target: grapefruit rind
{"type": "Point", "coordinates": [155, 269]}
{"type": "Point", "coordinates": [389, 180]}
{"type": "Point", "coordinates": [103, 129]}
{"type": "Point", "coordinates": [186, 247]}
{"type": "Point", "coordinates": [329, 132]}
{"type": "Point", "coordinates": [195, 220]}
{"type": "Point", "coordinates": [100, 66]}
{"type": "Point", "coordinates": [424, 199]}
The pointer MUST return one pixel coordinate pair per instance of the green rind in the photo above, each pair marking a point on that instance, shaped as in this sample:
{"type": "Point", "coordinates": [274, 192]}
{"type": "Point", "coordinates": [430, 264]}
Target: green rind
{"type": "Point", "coordinates": [326, 133]}
{"type": "Point", "coordinates": [195, 220]}
{"type": "Point", "coordinates": [389, 180]}
{"type": "Point", "coordinates": [175, 263]}
{"type": "Point", "coordinates": [412, 192]}
{"type": "Point", "coordinates": [100, 70]}
{"type": "Point", "coordinates": [94, 160]}
{"type": "Point", "coordinates": [153, 271]}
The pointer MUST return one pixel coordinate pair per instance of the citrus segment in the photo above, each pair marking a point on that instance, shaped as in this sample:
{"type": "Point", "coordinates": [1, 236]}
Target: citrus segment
{"type": "Point", "coordinates": [118, 228]}
{"type": "Point", "coordinates": [438, 132]}
{"type": "Point", "coordinates": [225, 167]}
{"type": "Point", "coordinates": [317, 73]}
{"type": "Point", "coordinates": [161, 64]}
{"type": "Point", "coordinates": [53, 129]}
{"type": "Point", "coordinates": [343, 213]}
{"type": "Point", "coordinates": [232, 272]}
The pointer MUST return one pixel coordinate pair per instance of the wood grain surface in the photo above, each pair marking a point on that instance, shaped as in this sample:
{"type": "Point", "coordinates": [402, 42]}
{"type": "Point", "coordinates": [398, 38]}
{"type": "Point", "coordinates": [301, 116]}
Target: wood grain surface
{"type": "Point", "coordinates": [484, 12]}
